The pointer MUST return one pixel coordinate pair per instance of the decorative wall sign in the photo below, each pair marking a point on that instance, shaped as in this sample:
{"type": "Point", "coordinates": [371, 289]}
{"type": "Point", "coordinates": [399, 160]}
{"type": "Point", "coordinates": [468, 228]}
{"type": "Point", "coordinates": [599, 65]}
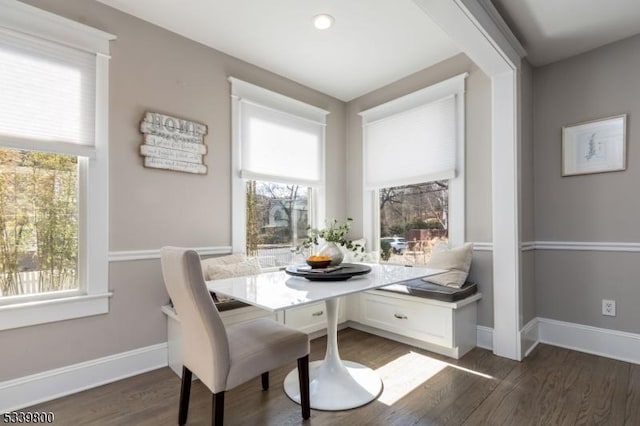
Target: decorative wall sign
{"type": "Point", "coordinates": [595, 146]}
{"type": "Point", "coordinates": [173, 143]}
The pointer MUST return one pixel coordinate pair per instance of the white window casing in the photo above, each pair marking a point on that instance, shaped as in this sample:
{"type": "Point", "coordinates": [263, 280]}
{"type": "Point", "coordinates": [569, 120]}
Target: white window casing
{"type": "Point", "coordinates": [77, 126]}
{"type": "Point", "coordinates": [419, 137]}
{"type": "Point", "coordinates": [278, 139]}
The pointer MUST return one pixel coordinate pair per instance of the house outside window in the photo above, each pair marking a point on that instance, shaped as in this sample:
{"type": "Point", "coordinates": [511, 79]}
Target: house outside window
{"type": "Point", "coordinates": [278, 172]}
{"type": "Point", "coordinates": [416, 200]}
{"type": "Point", "coordinates": [53, 168]}
{"type": "Point", "coordinates": [277, 221]}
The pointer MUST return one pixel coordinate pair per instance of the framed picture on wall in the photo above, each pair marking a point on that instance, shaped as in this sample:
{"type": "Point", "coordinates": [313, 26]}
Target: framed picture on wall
{"type": "Point", "coordinates": [595, 146]}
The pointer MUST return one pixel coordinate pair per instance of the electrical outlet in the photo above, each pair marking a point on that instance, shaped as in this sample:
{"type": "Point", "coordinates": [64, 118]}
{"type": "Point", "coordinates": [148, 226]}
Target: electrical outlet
{"type": "Point", "coordinates": [609, 307]}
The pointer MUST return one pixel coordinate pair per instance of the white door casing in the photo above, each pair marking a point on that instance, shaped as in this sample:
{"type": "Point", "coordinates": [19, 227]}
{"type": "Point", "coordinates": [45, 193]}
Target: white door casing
{"type": "Point", "coordinates": [482, 35]}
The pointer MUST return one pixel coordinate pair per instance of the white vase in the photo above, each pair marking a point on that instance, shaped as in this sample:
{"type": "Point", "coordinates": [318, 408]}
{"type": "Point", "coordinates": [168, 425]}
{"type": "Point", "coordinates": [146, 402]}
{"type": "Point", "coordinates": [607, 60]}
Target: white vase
{"type": "Point", "coordinates": [332, 250]}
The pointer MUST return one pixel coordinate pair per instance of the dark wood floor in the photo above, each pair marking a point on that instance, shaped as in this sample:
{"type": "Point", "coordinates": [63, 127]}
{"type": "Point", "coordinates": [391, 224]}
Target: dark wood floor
{"type": "Point", "coordinates": [553, 386]}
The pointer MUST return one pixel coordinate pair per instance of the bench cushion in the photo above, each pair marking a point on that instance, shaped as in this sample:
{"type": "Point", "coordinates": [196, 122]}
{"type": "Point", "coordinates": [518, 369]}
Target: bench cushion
{"type": "Point", "coordinates": [419, 288]}
{"type": "Point", "coordinates": [228, 304]}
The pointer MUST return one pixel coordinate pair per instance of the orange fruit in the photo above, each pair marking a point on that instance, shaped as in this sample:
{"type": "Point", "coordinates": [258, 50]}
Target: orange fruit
{"type": "Point", "coordinates": [318, 258]}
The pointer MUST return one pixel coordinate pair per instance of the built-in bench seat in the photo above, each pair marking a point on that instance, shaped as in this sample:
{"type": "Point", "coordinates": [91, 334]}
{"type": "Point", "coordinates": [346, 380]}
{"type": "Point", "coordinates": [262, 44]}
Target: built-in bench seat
{"type": "Point", "coordinates": [437, 318]}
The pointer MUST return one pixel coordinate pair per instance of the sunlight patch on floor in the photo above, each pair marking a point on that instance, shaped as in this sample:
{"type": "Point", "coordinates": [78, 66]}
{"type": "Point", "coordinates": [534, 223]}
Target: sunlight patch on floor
{"type": "Point", "coordinates": [466, 370]}
{"type": "Point", "coordinates": [406, 373]}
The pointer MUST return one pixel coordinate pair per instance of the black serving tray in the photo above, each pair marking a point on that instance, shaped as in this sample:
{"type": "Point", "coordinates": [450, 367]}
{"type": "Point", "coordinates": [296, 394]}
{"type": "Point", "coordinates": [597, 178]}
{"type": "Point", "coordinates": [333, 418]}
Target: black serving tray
{"type": "Point", "coordinates": [347, 271]}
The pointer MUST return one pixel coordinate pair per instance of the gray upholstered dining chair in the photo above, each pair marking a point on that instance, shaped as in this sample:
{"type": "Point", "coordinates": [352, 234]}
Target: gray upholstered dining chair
{"type": "Point", "coordinates": [225, 356]}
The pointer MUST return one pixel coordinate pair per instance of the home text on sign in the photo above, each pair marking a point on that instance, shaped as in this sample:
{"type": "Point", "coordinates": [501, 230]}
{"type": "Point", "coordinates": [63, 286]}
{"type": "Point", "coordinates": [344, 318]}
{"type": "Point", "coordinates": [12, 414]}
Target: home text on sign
{"type": "Point", "coordinates": [173, 143]}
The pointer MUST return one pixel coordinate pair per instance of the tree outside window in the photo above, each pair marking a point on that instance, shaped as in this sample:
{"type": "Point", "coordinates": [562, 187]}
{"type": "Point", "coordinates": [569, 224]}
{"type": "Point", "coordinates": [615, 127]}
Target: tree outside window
{"type": "Point", "coordinates": [38, 222]}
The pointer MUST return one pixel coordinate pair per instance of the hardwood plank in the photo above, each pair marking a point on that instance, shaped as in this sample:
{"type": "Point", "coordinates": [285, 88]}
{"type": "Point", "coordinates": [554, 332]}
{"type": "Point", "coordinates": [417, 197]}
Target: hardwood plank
{"type": "Point", "coordinates": [603, 393]}
{"type": "Point", "coordinates": [632, 412]}
{"type": "Point", "coordinates": [515, 397]}
{"type": "Point", "coordinates": [467, 389]}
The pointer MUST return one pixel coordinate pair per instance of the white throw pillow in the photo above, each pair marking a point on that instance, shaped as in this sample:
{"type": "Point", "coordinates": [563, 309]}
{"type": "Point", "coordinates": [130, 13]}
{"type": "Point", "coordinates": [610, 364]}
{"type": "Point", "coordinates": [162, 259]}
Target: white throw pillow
{"type": "Point", "coordinates": [249, 266]}
{"type": "Point", "coordinates": [224, 260]}
{"type": "Point", "coordinates": [457, 262]}
{"type": "Point", "coordinates": [233, 265]}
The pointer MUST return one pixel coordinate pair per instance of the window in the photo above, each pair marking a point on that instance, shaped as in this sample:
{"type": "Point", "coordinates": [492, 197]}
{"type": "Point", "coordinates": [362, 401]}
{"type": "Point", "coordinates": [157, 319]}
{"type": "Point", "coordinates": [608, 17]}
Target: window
{"type": "Point", "coordinates": [278, 172]}
{"type": "Point", "coordinates": [413, 218]}
{"type": "Point", "coordinates": [53, 168]}
{"type": "Point", "coordinates": [414, 172]}
{"type": "Point", "coordinates": [38, 222]}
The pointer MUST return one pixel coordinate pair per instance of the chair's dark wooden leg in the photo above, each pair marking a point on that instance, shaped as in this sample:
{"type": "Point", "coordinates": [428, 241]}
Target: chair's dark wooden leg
{"type": "Point", "coordinates": [265, 381]}
{"type": "Point", "coordinates": [185, 391]}
{"type": "Point", "coordinates": [303, 378]}
{"type": "Point", "coordinates": [217, 409]}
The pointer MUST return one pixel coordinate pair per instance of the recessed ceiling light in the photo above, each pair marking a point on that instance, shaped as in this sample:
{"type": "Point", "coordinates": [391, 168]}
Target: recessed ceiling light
{"type": "Point", "coordinates": [323, 21]}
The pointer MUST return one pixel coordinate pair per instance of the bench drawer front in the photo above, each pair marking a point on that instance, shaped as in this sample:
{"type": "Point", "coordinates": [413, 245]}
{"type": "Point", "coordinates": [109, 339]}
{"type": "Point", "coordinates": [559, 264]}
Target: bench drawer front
{"type": "Point", "coordinates": [412, 319]}
{"type": "Point", "coordinates": [310, 318]}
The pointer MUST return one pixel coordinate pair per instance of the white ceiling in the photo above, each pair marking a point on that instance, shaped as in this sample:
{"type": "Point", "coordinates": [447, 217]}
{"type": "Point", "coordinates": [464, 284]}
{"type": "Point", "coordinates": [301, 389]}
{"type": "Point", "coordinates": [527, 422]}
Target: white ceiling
{"type": "Point", "coordinates": [372, 43]}
{"type": "Point", "coordinates": [551, 30]}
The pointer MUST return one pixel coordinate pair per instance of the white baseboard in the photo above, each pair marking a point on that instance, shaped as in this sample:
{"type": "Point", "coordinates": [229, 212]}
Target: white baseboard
{"type": "Point", "coordinates": [583, 338]}
{"type": "Point", "coordinates": [529, 337]}
{"type": "Point", "coordinates": [485, 337]}
{"type": "Point", "coordinates": [598, 341]}
{"type": "Point", "coordinates": [30, 390]}
{"type": "Point", "coordinates": [613, 344]}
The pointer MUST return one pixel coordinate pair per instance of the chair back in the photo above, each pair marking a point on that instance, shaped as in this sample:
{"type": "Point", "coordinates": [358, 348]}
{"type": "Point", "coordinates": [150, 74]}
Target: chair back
{"type": "Point", "coordinates": [205, 346]}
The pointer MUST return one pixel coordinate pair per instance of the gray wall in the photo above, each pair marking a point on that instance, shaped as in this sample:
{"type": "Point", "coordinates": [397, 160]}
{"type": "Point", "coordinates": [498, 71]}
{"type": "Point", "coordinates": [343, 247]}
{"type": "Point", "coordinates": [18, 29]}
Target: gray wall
{"type": "Point", "coordinates": [478, 156]}
{"type": "Point", "coordinates": [153, 69]}
{"type": "Point", "coordinates": [593, 208]}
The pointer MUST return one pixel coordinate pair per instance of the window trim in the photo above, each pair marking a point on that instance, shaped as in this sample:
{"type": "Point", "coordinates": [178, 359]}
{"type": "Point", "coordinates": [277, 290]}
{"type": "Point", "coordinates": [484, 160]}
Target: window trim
{"type": "Point", "coordinates": [457, 209]}
{"type": "Point", "coordinates": [93, 296]}
{"type": "Point", "coordinates": [242, 90]}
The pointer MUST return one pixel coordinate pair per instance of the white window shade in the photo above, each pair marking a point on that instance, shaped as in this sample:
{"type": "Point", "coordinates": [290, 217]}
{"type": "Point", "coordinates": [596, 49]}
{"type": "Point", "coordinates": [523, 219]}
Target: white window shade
{"type": "Point", "coordinates": [280, 147]}
{"type": "Point", "coordinates": [48, 95]}
{"type": "Point", "coordinates": [413, 146]}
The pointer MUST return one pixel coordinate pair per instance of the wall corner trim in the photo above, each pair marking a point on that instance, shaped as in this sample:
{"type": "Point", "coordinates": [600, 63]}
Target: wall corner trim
{"type": "Point", "coordinates": [625, 247]}
{"type": "Point", "coordinates": [47, 385]}
{"type": "Point", "coordinates": [129, 255]}
{"type": "Point", "coordinates": [587, 246]}
{"type": "Point", "coordinates": [481, 246]}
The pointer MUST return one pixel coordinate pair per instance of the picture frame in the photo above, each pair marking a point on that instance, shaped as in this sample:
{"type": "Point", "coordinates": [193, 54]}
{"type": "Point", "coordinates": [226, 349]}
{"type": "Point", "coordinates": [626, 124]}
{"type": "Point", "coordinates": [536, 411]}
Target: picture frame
{"type": "Point", "coordinates": [596, 146]}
